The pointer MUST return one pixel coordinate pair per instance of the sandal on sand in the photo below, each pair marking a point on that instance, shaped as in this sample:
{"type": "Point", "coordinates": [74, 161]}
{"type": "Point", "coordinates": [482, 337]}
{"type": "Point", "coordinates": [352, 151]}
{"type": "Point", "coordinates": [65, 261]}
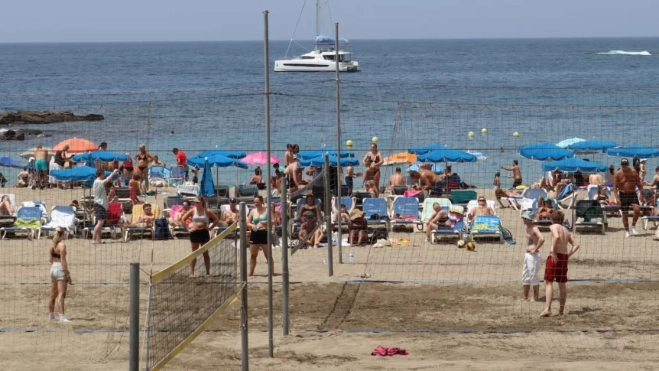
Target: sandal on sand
{"type": "Point", "coordinates": [545, 313]}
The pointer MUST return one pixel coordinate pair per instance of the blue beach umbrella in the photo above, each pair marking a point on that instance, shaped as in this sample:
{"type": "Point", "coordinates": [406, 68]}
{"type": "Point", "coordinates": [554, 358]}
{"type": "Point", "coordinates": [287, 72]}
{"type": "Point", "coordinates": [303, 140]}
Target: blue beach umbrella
{"type": "Point", "coordinates": [574, 164]}
{"type": "Point", "coordinates": [592, 145]}
{"type": "Point", "coordinates": [320, 161]}
{"type": "Point", "coordinates": [425, 149]}
{"type": "Point", "coordinates": [207, 188]}
{"type": "Point", "coordinates": [77, 174]}
{"type": "Point", "coordinates": [633, 150]}
{"type": "Point", "coordinates": [308, 155]}
{"type": "Point", "coordinates": [447, 155]}
{"type": "Point", "coordinates": [9, 162]}
{"type": "Point", "coordinates": [416, 166]}
{"type": "Point", "coordinates": [105, 156]}
{"type": "Point", "coordinates": [223, 152]}
{"type": "Point", "coordinates": [545, 152]}
{"type": "Point", "coordinates": [217, 161]}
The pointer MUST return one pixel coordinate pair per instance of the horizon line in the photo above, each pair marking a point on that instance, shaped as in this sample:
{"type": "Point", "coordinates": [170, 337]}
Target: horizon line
{"type": "Point", "coordinates": [365, 39]}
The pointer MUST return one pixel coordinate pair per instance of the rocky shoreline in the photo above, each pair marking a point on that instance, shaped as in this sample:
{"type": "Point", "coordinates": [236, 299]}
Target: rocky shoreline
{"type": "Point", "coordinates": [38, 118]}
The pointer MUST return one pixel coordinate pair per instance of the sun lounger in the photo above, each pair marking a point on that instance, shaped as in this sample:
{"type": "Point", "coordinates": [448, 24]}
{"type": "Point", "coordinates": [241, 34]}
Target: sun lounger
{"type": "Point", "coordinates": [28, 220]}
{"type": "Point", "coordinates": [375, 211]}
{"type": "Point", "coordinates": [427, 210]}
{"type": "Point", "coordinates": [112, 223]}
{"type": "Point", "coordinates": [176, 174]}
{"type": "Point", "coordinates": [405, 210]}
{"type": "Point", "coordinates": [589, 215]}
{"type": "Point", "coordinates": [486, 227]}
{"type": "Point", "coordinates": [567, 197]}
{"type": "Point", "coordinates": [247, 192]}
{"type": "Point", "coordinates": [60, 216]}
{"type": "Point", "coordinates": [455, 231]}
{"type": "Point", "coordinates": [474, 204]}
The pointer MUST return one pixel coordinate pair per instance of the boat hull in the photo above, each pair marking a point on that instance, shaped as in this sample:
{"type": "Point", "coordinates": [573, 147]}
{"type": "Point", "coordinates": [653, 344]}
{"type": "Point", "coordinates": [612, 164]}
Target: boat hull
{"type": "Point", "coordinates": [301, 66]}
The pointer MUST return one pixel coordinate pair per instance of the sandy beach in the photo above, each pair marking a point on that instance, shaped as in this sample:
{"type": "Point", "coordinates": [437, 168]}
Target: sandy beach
{"type": "Point", "coordinates": [450, 308]}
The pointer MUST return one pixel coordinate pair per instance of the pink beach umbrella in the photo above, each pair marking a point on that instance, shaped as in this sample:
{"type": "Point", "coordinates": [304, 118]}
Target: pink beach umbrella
{"type": "Point", "coordinates": [260, 158]}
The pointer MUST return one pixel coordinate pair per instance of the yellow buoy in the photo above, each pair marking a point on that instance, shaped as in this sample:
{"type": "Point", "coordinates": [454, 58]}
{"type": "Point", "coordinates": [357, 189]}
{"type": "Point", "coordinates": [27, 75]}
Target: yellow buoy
{"type": "Point", "coordinates": [483, 131]}
{"type": "Point", "coordinates": [349, 143]}
{"type": "Point", "coordinates": [471, 134]}
{"type": "Point", "coordinates": [516, 134]}
{"type": "Point", "coordinates": [375, 140]}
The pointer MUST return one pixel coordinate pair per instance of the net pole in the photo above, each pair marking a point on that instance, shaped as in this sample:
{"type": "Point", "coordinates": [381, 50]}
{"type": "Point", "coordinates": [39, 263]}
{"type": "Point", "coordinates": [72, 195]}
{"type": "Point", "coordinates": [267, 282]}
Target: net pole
{"type": "Point", "coordinates": [328, 219]}
{"type": "Point", "coordinates": [339, 182]}
{"type": "Point", "coordinates": [284, 254]}
{"type": "Point", "coordinates": [243, 292]}
{"type": "Point", "coordinates": [266, 65]}
{"type": "Point", "coordinates": [134, 324]}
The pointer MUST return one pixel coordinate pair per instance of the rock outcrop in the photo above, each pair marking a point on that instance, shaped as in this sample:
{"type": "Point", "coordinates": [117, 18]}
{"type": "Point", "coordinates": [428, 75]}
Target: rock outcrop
{"type": "Point", "coordinates": [45, 117]}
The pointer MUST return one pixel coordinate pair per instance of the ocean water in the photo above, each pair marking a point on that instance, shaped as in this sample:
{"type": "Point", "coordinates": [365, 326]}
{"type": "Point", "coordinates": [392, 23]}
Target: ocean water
{"type": "Point", "coordinates": [410, 92]}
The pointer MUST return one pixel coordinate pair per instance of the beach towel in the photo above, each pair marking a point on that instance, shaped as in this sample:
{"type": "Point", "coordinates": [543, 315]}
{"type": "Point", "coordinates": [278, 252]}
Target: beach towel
{"type": "Point", "coordinates": [61, 219]}
{"type": "Point", "coordinates": [388, 351]}
{"type": "Point", "coordinates": [411, 193]}
{"type": "Point", "coordinates": [27, 224]}
{"type": "Point", "coordinates": [173, 212]}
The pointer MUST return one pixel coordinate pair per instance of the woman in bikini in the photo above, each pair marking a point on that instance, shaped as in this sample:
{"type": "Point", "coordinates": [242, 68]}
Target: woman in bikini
{"type": "Point", "coordinates": [309, 206]}
{"type": "Point", "coordinates": [257, 223]}
{"type": "Point", "coordinates": [372, 160]}
{"type": "Point", "coordinates": [60, 277]}
{"type": "Point", "coordinates": [202, 220]}
{"type": "Point", "coordinates": [143, 160]}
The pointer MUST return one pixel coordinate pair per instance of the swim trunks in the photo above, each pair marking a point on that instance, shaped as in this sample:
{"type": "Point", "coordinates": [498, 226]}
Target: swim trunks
{"type": "Point", "coordinates": [41, 165]}
{"type": "Point", "coordinates": [627, 200]}
{"type": "Point", "coordinates": [517, 182]}
{"type": "Point", "coordinates": [530, 269]}
{"type": "Point", "coordinates": [556, 271]}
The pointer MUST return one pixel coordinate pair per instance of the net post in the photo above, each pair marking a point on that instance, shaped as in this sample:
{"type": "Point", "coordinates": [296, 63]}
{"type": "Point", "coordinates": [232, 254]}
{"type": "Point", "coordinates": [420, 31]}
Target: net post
{"type": "Point", "coordinates": [284, 254]}
{"type": "Point", "coordinates": [266, 63]}
{"type": "Point", "coordinates": [328, 218]}
{"type": "Point", "coordinates": [134, 319]}
{"type": "Point", "coordinates": [339, 182]}
{"type": "Point", "coordinates": [243, 291]}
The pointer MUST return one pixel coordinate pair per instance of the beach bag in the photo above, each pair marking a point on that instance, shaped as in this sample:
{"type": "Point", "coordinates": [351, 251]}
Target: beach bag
{"type": "Point", "coordinates": [162, 231]}
{"type": "Point", "coordinates": [379, 234]}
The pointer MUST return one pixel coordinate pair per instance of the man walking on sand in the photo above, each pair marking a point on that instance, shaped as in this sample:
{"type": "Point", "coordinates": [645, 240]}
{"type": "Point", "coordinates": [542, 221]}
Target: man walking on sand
{"type": "Point", "coordinates": [41, 167]}
{"type": "Point", "coordinates": [556, 267]}
{"type": "Point", "coordinates": [517, 173]}
{"type": "Point", "coordinates": [532, 257]}
{"type": "Point", "coordinates": [625, 183]}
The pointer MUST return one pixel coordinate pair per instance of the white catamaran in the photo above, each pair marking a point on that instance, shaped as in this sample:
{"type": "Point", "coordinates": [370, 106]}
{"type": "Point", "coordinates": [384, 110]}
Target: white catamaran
{"type": "Point", "coordinates": [322, 58]}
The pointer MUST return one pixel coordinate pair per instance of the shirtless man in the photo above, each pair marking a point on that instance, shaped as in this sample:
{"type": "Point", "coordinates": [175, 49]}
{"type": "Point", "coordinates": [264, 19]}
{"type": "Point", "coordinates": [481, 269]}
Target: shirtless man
{"type": "Point", "coordinates": [294, 173]}
{"type": "Point", "coordinates": [532, 257]}
{"type": "Point", "coordinates": [625, 183]}
{"type": "Point", "coordinates": [41, 167]}
{"type": "Point", "coordinates": [231, 216]}
{"type": "Point", "coordinates": [642, 169]}
{"type": "Point", "coordinates": [556, 267]}
{"type": "Point", "coordinates": [288, 156]}
{"type": "Point", "coordinates": [595, 179]}
{"type": "Point", "coordinates": [517, 173]}
{"type": "Point", "coordinates": [397, 178]}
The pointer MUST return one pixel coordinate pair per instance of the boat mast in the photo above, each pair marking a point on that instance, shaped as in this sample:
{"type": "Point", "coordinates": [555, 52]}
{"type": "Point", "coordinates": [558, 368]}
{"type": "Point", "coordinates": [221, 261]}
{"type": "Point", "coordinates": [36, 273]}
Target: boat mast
{"type": "Point", "coordinates": [317, 23]}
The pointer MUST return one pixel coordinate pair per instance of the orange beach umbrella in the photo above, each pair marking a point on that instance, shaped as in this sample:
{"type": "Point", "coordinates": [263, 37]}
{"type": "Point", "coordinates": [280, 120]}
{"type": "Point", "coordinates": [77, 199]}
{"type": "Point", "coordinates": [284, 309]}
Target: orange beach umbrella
{"type": "Point", "coordinates": [399, 158]}
{"type": "Point", "coordinates": [76, 145]}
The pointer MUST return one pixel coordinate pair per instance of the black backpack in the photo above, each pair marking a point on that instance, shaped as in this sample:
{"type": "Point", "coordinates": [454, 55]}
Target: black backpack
{"type": "Point", "coordinates": [379, 234]}
{"type": "Point", "coordinates": [162, 230]}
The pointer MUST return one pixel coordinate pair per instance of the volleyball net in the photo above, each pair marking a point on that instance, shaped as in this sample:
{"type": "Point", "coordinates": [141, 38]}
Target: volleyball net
{"type": "Point", "coordinates": [182, 303]}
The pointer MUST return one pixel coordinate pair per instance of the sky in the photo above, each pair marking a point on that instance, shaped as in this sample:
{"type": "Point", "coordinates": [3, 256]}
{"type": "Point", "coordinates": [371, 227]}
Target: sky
{"type": "Point", "coordinates": [225, 20]}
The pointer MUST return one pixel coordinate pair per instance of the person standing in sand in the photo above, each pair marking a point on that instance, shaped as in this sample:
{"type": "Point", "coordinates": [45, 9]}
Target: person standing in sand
{"type": "Point", "coordinates": [143, 159]}
{"type": "Point", "coordinates": [101, 202]}
{"type": "Point", "coordinates": [41, 167]}
{"type": "Point", "coordinates": [557, 262]}
{"type": "Point", "coordinates": [60, 277]}
{"type": "Point", "coordinates": [517, 173]}
{"type": "Point", "coordinates": [595, 179]}
{"type": "Point", "coordinates": [532, 257]}
{"type": "Point", "coordinates": [625, 183]}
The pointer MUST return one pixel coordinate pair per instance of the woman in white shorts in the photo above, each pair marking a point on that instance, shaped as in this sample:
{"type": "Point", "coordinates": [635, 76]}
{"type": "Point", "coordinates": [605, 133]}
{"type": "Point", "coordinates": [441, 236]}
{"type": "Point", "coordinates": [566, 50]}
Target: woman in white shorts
{"type": "Point", "coordinates": [60, 277]}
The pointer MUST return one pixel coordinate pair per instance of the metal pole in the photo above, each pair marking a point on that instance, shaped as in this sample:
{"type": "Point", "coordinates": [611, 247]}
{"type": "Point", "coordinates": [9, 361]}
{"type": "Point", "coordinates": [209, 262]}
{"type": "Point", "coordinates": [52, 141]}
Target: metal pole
{"type": "Point", "coordinates": [339, 181]}
{"type": "Point", "coordinates": [266, 65]}
{"type": "Point", "coordinates": [284, 254]}
{"type": "Point", "coordinates": [134, 320]}
{"type": "Point", "coordinates": [243, 294]}
{"type": "Point", "coordinates": [328, 219]}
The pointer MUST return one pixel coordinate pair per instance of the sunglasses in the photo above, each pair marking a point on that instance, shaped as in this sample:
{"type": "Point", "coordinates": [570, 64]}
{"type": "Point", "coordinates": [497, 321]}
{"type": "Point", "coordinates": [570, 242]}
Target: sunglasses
{"type": "Point", "coordinates": [481, 200]}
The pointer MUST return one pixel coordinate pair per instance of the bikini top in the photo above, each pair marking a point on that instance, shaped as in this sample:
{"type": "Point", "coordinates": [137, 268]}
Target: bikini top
{"type": "Point", "coordinates": [141, 157]}
{"type": "Point", "coordinates": [196, 218]}
{"type": "Point", "coordinates": [262, 218]}
{"type": "Point", "coordinates": [54, 254]}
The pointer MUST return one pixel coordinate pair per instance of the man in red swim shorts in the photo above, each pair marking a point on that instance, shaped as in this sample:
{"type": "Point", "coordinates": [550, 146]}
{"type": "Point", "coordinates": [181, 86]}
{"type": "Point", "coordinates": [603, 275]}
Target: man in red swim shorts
{"type": "Point", "coordinates": [556, 268]}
